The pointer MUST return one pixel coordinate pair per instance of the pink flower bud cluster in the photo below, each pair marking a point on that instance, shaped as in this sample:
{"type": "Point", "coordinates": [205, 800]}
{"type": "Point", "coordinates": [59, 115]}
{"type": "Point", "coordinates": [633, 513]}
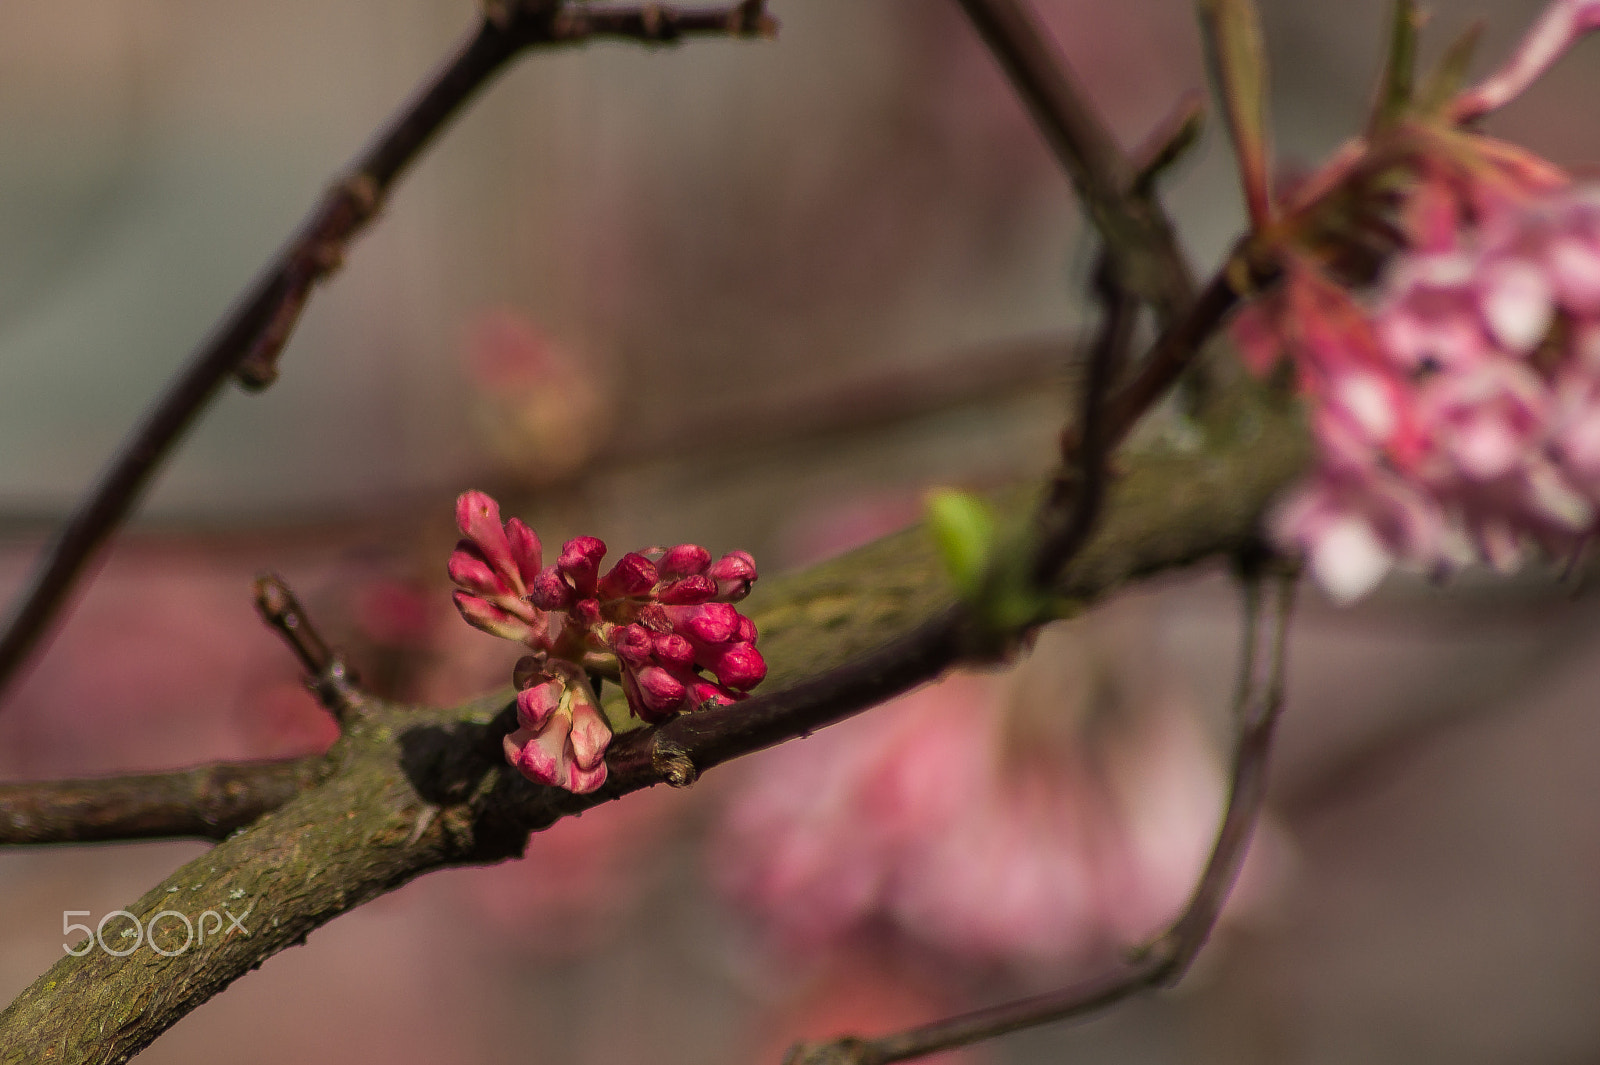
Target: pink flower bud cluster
{"type": "Point", "coordinates": [666, 618]}
{"type": "Point", "coordinates": [1457, 416]}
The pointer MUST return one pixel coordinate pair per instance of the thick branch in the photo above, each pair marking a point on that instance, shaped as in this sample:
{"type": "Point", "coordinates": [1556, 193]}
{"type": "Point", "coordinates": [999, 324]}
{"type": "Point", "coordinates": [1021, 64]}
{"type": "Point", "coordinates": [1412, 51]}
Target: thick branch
{"type": "Point", "coordinates": [409, 790]}
{"type": "Point", "coordinates": [251, 334]}
{"type": "Point", "coordinates": [207, 802]}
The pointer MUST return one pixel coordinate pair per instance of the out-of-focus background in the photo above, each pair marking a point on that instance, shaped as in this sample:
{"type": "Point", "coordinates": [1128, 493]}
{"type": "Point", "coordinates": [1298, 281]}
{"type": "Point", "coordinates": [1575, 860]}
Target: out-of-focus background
{"type": "Point", "coordinates": [755, 295]}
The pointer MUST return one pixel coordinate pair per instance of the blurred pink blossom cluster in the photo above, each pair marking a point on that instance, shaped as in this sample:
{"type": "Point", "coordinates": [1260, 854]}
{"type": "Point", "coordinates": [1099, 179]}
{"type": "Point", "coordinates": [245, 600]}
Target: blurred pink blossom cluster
{"type": "Point", "coordinates": [658, 623]}
{"type": "Point", "coordinates": [1459, 417]}
{"type": "Point", "coordinates": [1455, 402]}
{"type": "Point", "coordinates": [925, 816]}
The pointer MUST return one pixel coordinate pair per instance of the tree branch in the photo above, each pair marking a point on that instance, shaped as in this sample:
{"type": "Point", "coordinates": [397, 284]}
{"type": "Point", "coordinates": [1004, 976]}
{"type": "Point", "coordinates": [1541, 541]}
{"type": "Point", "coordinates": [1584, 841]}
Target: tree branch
{"type": "Point", "coordinates": [1164, 961]}
{"type": "Point", "coordinates": [411, 789]}
{"type": "Point", "coordinates": [207, 802]}
{"type": "Point", "coordinates": [247, 340]}
{"type": "Point", "coordinates": [1138, 234]}
{"type": "Point", "coordinates": [326, 672]}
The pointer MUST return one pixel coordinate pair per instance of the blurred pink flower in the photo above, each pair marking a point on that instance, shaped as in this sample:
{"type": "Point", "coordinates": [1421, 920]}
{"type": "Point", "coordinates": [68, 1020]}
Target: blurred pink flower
{"type": "Point", "coordinates": [921, 816]}
{"type": "Point", "coordinates": [1453, 401]}
{"type": "Point", "coordinates": [1460, 424]}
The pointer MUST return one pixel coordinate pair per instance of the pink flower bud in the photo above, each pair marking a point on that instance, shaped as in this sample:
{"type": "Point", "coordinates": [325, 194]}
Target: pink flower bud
{"type": "Point", "coordinates": [535, 704]}
{"type": "Point", "coordinates": [662, 692]}
{"type": "Point", "coordinates": [740, 666]}
{"type": "Point", "coordinates": [484, 615]}
{"type": "Point", "coordinates": [590, 737]}
{"type": "Point", "coordinates": [708, 623]}
{"type": "Point", "coordinates": [540, 758]}
{"type": "Point", "coordinates": [580, 561]}
{"type": "Point", "coordinates": [478, 518]}
{"type": "Point", "coordinates": [673, 650]}
{"type": "Point", "coordinates": [512, 743]}
{"type": "Point", "coordinates": [551, 591]}
{"type": "Point", "coordinates": [586, 612]}
{"type": "Point", "coordinates": [581, 781]}
{"type": "Point", "coordinates": [633, 577]}
{"type": "Point", "coordinates": [632, 644]}
{"type": "Point", "coordinates": [472, 573]}
{"type": "Point", "coordinates": [747, 631]}
{"type": "Point", "coordinates": [683, 561]}
{"type": "Point", "coordinates": [703, 694]}
{"type": "Point", "coordinates": [734, 573]}
{"type": "Point", "coordinates": [563, 736]}
{"type": "Point", "coordinates": [690, 591]}
{"type": "Point", "coordinates": [526, 550]}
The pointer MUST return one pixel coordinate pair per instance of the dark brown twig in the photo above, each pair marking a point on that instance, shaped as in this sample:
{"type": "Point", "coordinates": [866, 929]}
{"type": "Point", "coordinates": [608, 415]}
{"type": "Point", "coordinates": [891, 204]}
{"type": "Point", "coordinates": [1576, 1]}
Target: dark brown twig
{"type": "Point", "coordinates": [207, 802]}
{"type": "Point", "coordinates": [1139, 237]}
{"type": "Point", "coordinates": [1068, 513]}
{"type": "Point", "coordinates": [1169, 356]}
{"type": "Point", "coordinates": [248, 339]}
{"type": "Point", "coordinates": [326, 672]}
{"type": "Point", "coordinates": [1164, 961]}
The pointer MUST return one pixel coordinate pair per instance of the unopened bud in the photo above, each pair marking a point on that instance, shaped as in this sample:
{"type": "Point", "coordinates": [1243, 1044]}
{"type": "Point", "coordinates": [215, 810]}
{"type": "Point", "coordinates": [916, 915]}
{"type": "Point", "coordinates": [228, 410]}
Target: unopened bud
{"type": "Point", "coordinates": [673, 650]}
{"type": "Point", "coordinates": [551, 591]}
{"type": "Point", "coordinates": [740, 667]}
{"type": "Point", "coordinates": [471, 572]}
{"type": "Point", "coordinates": [481, 614]}
{"type": "Point", "coordinates": [586, 612]}
{"type": "Point", "coordinates": [632, 644]}
{"type": "Point", "coordinates": [708, 623]}
{"type": "Point", "coordinates": [661, 691]}
{"type": "Point", "coordinates": [683, 561]}
{"type": "Point", "coordinates": [580, 561]}
{"type": "Point", "coordinates": [690, 591]}
{"type": "Point", "coordinates": [734, 573]}
{"type": "Point", "coordinates": [634, 576]}
{"type": "Point", "coordinates": [535, 704]}
{"type": "Point", "coordinates": [526, 551]}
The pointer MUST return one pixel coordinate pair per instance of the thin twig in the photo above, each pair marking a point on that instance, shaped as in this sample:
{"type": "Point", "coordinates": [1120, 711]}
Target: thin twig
{"type": "Point", "coordinates": [1139, 236]}
{"type": "Point", "coordinates": [247, 340]}
{"type": "Point", "coordinates": [207, 802]}
{"type": "Point", "coordinates": [1164, 961]}
{"type": "Point", "coordinates": [1068, 513]}
{"type": "Point", "coordinates": [326, 672]}
{"type": "Point", "coordinates": [1169, 356]}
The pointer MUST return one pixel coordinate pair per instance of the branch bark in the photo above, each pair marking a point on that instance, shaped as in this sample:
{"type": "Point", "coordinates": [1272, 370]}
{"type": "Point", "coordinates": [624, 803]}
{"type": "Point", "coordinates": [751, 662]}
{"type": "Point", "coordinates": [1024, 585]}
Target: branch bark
{"type": "Point", "coordinates": [207, 802]}
{"type": "Point", "coordinates": [248, 339]}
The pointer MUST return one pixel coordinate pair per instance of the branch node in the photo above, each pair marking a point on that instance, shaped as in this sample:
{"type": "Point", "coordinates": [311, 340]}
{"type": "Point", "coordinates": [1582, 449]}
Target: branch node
{"type": "Point", "coordinates": [673, 763]}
